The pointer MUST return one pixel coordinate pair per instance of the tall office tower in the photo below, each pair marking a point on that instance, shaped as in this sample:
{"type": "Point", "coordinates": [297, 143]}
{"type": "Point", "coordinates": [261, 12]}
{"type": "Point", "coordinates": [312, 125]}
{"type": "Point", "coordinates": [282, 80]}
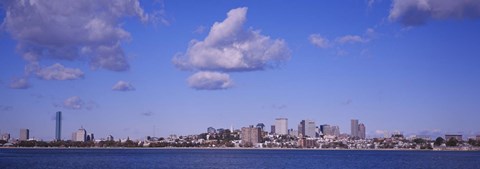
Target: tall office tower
{"type": "Point", "coordinates": [361, 131]}
{"type": "Point", "coordinates": [261, 126]}
{"type": "Point", "coordinates": [110, 138]}
{"type": "Point", "coordinates": [81, 135]}
{"type": "Point", "coordinates": [251, 135]}
{"type": "Point", "coordinates": [301, 131]}
{"type": "Point", "coordinates": [58, 127]}
{"type": "Point", "coordinates": [272, 129]}
{"type": "Point", "coordinates": [308, 128]}
{"type": "Point", "coordinates": [24, 134]}
{"type": "Point", "coordinates": [326, 130]}
{"type": "Point", "coordinates": [281, 126]}
{"type": "Point", "coordinates": [335, 131]}
{"type": "Point", "coordinates": [354, 128]}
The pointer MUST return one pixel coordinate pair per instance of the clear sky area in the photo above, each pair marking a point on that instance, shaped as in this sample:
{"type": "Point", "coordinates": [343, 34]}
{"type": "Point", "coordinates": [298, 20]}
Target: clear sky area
{"type": "Point", "coordinates": [142, 68]}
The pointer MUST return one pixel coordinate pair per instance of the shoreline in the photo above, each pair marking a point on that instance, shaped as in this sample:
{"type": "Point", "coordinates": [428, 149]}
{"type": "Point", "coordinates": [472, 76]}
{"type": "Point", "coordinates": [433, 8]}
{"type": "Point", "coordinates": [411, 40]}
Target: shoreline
{"type": "Point", "coordinates": [227, 148]}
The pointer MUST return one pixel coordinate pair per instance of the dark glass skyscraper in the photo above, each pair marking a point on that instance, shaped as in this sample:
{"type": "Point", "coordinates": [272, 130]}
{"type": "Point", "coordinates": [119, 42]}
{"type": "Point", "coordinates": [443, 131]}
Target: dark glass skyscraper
{"type": "Point", "coordinates": [58, 127]}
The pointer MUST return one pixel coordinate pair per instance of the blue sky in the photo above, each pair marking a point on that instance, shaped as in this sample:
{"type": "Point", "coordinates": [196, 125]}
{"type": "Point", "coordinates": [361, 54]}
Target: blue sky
{"type": "Point", "coordinates": [123, 69]}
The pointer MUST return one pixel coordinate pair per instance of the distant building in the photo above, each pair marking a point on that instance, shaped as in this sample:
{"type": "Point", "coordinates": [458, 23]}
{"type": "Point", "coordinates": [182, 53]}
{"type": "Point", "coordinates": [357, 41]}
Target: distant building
{"type": "Point", "coordinates": [24, 134]}
{"type": "Point", "coordinates": [458, 137]}
{"type": "Point", "coordinates": [361, 131]}
{"type": "Point", "coordinates": [110, 138]}
{"type": "Point", "coordinates": [354, 128]}
{"type": "Point", "coordinates": [335, 130]}
{"type": "Point", "coordinates": [281, 126]}
{"type": "Point", "coordinates": [326, 130]}
{"type": "Point", "coordinates": [272, 129]}
{"type": "Point", "coordinates": [251, 135]}
{"type": "Point", "coordinates": [478, 137]}
{"type": "Point", "coordinates": [308, 128]}
{"type": "Point", "coordinates": [300, 130]}
{"type": "Point", "coordinates": [6, 136]}
{"type": "Point", "coordinates": [81, 135]}
{"type": "Point", "coordinates": [58, 126]}
{"type": "Point", "coordinates": [220, 130]}
{"type": "Point", "coordinates": [211, 130]}
{"type": "Point", "coordinates": [261, 126]}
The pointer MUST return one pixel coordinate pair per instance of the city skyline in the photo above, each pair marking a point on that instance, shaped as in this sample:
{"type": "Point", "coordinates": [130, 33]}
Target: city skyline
{"type": "Point", "coordinates": [142, 68]}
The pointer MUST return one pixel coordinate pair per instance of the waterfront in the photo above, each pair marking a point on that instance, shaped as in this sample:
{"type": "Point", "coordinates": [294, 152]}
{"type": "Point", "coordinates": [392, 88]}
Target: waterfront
{"type": "Point", "coordinates": [233, 158]}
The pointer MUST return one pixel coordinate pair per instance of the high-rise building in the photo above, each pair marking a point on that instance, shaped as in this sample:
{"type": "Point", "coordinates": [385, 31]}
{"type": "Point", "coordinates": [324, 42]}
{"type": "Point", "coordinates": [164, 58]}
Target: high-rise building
{"type": "Point", "coordinates": [110, 138]}
{"type": "Point", "coordinates": [58, 126]}
{"type": "Point", "coordinates": [361, 131]}
{"type": "Point", "coordinates": [301, 131]}
{"type": "Point", "coordinates": [326, 130]}
{"type": "Point", "coordinates": [335, 130]}
{"type": "Point", "coordinates": [281, 126]}
{"type": "Point", "coordinates": [308, 128]}
{"type": "Point", "coordinates": [354, 128]}
{"type": "Point", "coordinates": [24, 134]}
{"type": "Point", "coordinates": [251, 135]}
{"type": "Point", "coordinates": [272, 129]}
{"type": "Point", "coordinates": [81, 135]}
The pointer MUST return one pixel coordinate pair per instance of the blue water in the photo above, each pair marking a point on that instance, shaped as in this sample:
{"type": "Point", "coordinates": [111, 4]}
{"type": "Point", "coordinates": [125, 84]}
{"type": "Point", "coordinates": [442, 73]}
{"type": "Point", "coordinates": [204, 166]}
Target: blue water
{"type": "Point", "coordinates": [219, 158]}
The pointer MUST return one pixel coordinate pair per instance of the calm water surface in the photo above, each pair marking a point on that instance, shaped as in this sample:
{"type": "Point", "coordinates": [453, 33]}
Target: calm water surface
{"type": "Point", "coordinates": [198, 158]}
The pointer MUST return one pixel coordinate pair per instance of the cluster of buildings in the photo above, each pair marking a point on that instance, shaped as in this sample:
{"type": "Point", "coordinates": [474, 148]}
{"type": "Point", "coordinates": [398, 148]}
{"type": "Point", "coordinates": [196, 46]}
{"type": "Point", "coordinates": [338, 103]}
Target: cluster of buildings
{"type": "Point", "coordinates": [306, 130]}
{"type": "Point", "coordinates": [305, 134]}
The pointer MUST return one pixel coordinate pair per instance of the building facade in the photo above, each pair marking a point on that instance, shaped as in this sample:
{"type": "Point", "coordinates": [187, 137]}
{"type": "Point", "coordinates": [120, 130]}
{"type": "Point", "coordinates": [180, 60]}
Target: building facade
{"type": "Point", "coordinates": [24, 134]}
{"type": "Point", "coordinates": [361, 131]}
{"type": "Point", "coordinates": [308, 128]}
{"type": "Point", "coordinates": [281, 126]}
{"type": "Point", "coordinates": [251, 135]}
{"type": "Point", "coordinates": [58, 126]}
{"type": "Point", "coordinates": [81, 135]}
{"type": "Point", "coordinates": [354, 128]}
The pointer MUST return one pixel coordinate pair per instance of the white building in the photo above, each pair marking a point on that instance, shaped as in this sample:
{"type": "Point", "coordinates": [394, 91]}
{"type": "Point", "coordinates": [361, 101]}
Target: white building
{"type": "Point", "coordinates": [281, 126]}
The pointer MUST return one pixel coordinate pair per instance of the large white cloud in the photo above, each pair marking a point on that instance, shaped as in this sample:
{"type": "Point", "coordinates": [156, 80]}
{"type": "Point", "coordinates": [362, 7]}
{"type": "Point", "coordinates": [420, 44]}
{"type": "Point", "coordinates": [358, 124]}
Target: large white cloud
{"type": "Point", "coordinates": [205, 80]}
{"type": "Point", "coordinates": [418, 12]}
{"type": "Point", "coordinates": [72, 30]}
{"type": "Point", "coordinates": [59, 72]}
{"type": "Point", "coordinates": [231, 47]}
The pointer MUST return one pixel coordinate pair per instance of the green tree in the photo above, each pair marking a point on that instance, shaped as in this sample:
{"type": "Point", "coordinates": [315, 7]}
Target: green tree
{"type": "Point", "coordinates": [439, 141]}
{"type": "Point", "coordinates": [452, 142]}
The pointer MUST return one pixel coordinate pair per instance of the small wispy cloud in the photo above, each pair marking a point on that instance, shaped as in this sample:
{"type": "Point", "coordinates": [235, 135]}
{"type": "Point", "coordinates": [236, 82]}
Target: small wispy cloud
{"type": "Point", "coordinates": [19, 83]}
{"type": "Point", "coordinates": [123, 86]}
{"type": "Point", "coordinates": [76, 103]}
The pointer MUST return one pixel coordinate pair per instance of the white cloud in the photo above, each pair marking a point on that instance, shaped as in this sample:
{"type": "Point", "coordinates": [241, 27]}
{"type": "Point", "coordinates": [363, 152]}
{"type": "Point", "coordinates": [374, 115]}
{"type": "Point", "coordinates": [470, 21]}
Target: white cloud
{"type": "Point", "coordinates": [418, 12]}
{"type": "Point", "coordinates": [72, 30]}
{"type": "Point", "coordinates": [59, 72]}
{"type": "Point", "coordinates": [73, 103]}
{"type": "Point", "coordinates": [350, 39]}
{"type": "Point", "coordinates": [206, 80]}
{"type": "Point", "coordinates": [230, 47]}
{"type": "Point", "coordinates": [319, 41]}
{"type": "Point", "coordinates": [123, 86]}
{"type": "Point", "coordinates": [77, 103]}
{"type": "Point", "coordinates": [19, 83]}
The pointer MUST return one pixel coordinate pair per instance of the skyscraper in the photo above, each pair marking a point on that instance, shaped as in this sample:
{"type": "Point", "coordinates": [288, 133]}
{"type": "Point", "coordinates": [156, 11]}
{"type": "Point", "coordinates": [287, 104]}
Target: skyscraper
{"type": "Point", "coordinates": [307, 128]}
{"type": "Point", "coordinates": [24, 134]}
{"type": "Point", "coordinates": [251, 135]}
{"type": "Point", "coordinates": [354, 128]}
{"type": "Point", "coordinates": [272, 129]}
{"type": "Point", "coordinates": [281, 126]}
{"type": "Point", "coordinates": [58, 127]}
{"type": "Point", "coordinates": [361, 131]}
{"type": "Point", "coordinates": [81, 135]}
